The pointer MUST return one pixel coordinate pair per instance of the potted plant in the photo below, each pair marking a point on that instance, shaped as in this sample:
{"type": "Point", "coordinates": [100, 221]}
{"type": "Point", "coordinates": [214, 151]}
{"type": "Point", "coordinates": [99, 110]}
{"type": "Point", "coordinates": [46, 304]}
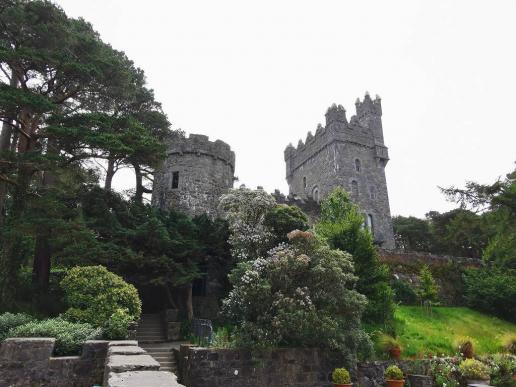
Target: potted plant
{"type": "Point", "coordinates": [394, 376]}
{"type": "Point", "coordinates": [341, 378]}
{"type": "Point", "coordinates": [390, 345]}
{"type": "Point", "coordinates": [474, 371]}
{"type": "Point", "coordinates": [465, 347]}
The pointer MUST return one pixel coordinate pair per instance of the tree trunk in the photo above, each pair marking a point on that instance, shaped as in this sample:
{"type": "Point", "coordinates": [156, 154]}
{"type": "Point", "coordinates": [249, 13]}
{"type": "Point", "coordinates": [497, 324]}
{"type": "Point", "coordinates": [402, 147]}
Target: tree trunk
{"type": "Point", "coordinates": [42, 254]}
{"type": "Point", "coordinates": [170, 298]}
{"type": "Point", "coordinates": [42, 249]}
{"type": "Point", "coordinates": [5, 146]}
{"type": "Point", "coordinates": [138, 194]}
{"type": "Point", "coordinates": [109, 174]}
{"type": "Point", "coordinates": [189, 302]}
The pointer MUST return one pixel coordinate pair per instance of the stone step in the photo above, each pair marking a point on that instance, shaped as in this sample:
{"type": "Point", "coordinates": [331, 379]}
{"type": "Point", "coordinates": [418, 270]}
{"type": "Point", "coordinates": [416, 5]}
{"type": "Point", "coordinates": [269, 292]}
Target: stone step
{"type": "Point", "coordinates": [160, 331]}
{"type": "Point", "coordinates": [149, 348]}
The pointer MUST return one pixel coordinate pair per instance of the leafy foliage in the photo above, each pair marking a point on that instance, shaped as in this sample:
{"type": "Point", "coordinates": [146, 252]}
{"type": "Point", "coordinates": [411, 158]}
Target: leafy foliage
{"type": "Point", "coordinates": [245, 211]}
{"type": "Point", "coordinates": [69, 335]}
{"type": "Point", "coordinates": [341, 225]}
{"type": "Point", "coordinates": [427, 290]}
{"type": "Point", "coordinates": [393, 372]}
{"type": "Point", "coordinates": [340, 376]}
{"type": "Point", "coordinates": [492, 291]}
{"type": "Point", "coordinates": [117, 327]}
{"type": "Point", "coordinates": [474, 369]}
{"type": "Point", "coordinates": [95, 295]}
{"type": "Point", "coordinates": [403, 293]}
{"type": "Point", "coordinates": [300, 294]}
{"type": "Point", "coordinates": [283, 219]}
{"type": "Point", "coordinates": [67, 101]}
{"type": "Point", "coordinates": [12, 320]}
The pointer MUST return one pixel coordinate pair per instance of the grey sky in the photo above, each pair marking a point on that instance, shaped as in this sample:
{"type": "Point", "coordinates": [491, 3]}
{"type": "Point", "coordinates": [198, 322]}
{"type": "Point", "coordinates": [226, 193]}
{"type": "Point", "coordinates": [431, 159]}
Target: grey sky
{"type": "Point", "coordinates": [261, 74]}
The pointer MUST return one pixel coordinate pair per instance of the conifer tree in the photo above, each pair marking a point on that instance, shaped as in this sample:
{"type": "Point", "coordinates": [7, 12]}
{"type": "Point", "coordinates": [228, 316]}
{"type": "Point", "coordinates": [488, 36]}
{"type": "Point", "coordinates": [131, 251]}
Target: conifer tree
{"type": "Point", "coordinates": [342, 225]}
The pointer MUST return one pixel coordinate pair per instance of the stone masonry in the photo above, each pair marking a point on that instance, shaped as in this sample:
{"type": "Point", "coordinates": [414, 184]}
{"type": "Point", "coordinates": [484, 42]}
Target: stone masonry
{"type": "Point", "coordinates": [194, 175]}
{"type": "Point", "coordinates": [346, 154]}
{"type": "Point", "coordinates": [293, 367]}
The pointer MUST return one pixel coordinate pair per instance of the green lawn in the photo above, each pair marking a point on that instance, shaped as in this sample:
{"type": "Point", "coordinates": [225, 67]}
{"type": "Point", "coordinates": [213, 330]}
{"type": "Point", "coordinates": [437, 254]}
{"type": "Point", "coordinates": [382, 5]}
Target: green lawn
{"type": "Point", "coordinates": [421, 334]}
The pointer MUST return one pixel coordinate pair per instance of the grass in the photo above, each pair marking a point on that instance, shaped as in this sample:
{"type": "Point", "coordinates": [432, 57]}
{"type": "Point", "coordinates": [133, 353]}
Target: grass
{"type": "Point", "coordinates": [421, 334]}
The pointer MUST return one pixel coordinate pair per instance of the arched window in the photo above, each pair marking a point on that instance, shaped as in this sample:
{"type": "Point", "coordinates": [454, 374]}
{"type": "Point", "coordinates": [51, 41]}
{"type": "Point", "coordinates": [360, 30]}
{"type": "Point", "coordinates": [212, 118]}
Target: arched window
{"type": "Point", "coordinates": [358, 165]}
{"type": "Point", "coordinates": [354, 188]}
{"type": "Point", "coordinates": [372, 192]}
{"type": "Point", "coordinates": [304, 182]}
{"type": "Point", "coordinates": [370, 224]}
{"type": "Point", "coordinates": [315, 194]}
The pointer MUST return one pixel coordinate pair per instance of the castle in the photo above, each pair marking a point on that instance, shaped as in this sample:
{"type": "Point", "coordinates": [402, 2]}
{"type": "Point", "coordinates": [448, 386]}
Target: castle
{"type": "Point", "coordinates": [350, 154]}
{"type": "Point", "coordinates": [195, 174]}
{"type": "Point", "coordinates": [346, 154]}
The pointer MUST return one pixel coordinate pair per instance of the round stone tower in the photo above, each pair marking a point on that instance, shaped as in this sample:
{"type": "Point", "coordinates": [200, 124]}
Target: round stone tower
{"type": "Point", "coordinates": [195, 174]}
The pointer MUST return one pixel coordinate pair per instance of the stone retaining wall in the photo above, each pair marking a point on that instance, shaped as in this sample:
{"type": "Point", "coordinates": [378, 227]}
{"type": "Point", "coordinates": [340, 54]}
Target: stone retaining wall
{"type": "Point", "coordinates": [29, 362]}
{"type": "Point", "coordinates": [294, 367]}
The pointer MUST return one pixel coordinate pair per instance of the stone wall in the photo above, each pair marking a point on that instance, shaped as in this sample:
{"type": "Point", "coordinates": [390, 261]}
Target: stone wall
{"type": "Point", "coordinates": [29, 362]}
{"type": "Point", "coordinates": [205, 171]}
{"type": "Point", "coordinates": [349, 155]}
{"type": "Point", "coordinates": [446, 270]}
{"type": "Point", "coordinates": [293, 367]}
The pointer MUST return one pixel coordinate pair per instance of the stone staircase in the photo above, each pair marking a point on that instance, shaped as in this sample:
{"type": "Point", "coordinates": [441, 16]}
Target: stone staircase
{"type": "Point", "coordinates": [152, 338]}
{"type": "Point", "coordinates": [163, 353]}
{"type": "Point", "coordinates": [150, 329]}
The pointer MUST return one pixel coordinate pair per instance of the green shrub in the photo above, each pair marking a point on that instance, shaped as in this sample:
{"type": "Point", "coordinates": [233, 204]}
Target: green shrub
{"type": "Point", "coordinates": [491, 291]}
{"type": "Point", "coordinates": [403, 293]}
{"type": "Point", "coordinates": [94, 294]}
{"type": "Point", "coordinates": [340, 376]}
{"type": "Point", "coordinates": [117, 327]}
{"type": "Point", "coordinates": [69, 336]}
{"type": "Point", "coordinates": [12, 320]}
{"type": "Point", "coordinates": [301, 295]}
{"type": "Point", "coordinates": [393, 373]}
{"type": "Point", "coordinates": [474, 369]}
{"type": "Point", "coordinates": [222, 338]}
{"type": "Point", "coordinates": [502, 367]}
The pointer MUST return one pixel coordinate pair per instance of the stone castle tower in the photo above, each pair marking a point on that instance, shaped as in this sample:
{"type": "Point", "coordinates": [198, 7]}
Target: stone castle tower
{"type": "Point", "coordinates": [194, 175]}
{"type": "Point", "coordinates": [351, 155]}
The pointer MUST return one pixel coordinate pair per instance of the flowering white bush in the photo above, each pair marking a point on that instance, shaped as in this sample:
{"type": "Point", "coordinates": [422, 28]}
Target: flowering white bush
{"type": "Point", "coordinates": [245, 210]}
{"type": "Point", "coordinates": [300, 294]}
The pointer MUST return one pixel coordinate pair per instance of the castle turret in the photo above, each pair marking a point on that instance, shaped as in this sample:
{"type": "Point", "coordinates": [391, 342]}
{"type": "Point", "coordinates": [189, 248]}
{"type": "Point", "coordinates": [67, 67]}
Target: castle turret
{"type": "Point", "coordinates": [369, 115]}
{"type": "Point", "coordinates": [350, 155]}
{"type": "Point", "coordinates": [194, 175]}
{"type": "Point", "coordinates": [336, 115]}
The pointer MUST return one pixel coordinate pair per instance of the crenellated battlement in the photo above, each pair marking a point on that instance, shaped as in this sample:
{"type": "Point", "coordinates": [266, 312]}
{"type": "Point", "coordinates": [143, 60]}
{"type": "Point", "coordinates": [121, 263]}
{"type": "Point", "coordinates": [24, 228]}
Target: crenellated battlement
{"type": "Point", "coordinates": [201, 145]}
{"type": "Point", "coordinates": [364, 129]}
{"type": "Point", "coordinates": [348, 154]}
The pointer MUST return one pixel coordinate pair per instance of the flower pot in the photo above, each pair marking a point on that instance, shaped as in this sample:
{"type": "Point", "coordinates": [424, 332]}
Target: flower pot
{"type": "Point", "coordinates": [342, 385]}
{"type": "Point", "coordinates": [478, 381]}
{"type": "Point", "coordinates": [395, 352]}
{"type": "Point", "coordinates": [395, 383]}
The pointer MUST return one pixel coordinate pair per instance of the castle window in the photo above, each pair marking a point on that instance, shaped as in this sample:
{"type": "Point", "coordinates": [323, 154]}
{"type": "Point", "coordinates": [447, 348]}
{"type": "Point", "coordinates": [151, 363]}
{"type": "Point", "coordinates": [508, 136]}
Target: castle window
{"type": "Point", "coordinates": [175, 180]}
{"type": "Point", "coordinates": [372, 192]}
{"type": "Point", "coordinates": [315, 194]}
{"type": "Point", "coordinates": [304, 182]}
{"type": "Point", "coordinates": [358, 165]}
{"type": "Point", "coordinates": [354, 188]}
{"type": "Point", "coordinates": [370, 223]}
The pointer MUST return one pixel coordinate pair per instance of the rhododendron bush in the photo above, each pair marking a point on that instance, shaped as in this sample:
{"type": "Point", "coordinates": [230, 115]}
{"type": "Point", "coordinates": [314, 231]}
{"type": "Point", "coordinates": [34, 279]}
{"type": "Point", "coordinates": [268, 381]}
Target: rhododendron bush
{"type": "Point", "coordinates": [301, 294]}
